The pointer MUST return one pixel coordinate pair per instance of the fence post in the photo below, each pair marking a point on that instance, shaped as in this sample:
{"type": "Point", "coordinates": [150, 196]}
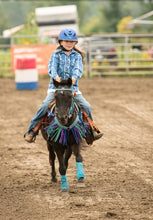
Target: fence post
{"type": "Point", "coordinates": [12, 40]}
{"type": "Point", "coordinates": [89, 59]}
{"type": "Point", "coordinates": [127, 53]}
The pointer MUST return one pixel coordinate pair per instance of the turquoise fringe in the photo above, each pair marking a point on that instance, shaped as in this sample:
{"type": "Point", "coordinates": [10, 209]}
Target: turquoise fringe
{"type": "Point", "coordinates": [59, 133]}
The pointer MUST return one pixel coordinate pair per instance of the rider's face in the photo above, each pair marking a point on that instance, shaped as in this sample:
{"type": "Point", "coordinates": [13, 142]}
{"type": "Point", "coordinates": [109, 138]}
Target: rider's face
{"type": "Point", "coordinates": [68, 45]}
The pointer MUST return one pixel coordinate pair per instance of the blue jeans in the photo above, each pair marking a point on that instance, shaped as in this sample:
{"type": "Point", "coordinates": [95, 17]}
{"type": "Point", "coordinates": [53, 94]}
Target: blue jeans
{"type": "Point", "coordinates": [45, 104]}
{"type": "Point", "coordinates": [84, 104]}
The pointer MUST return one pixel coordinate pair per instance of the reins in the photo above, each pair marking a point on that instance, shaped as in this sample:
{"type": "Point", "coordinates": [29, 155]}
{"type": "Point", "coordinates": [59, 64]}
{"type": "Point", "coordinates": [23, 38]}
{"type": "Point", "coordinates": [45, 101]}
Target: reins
{"type": "Point", "coordinates": [64, 89]}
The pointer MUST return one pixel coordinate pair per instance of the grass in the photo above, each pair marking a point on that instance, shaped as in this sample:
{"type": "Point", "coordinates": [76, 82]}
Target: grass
{"type": "Point", "coordinates": [5, 63]}
{"type": "Point", "coordinates": [135, 54]}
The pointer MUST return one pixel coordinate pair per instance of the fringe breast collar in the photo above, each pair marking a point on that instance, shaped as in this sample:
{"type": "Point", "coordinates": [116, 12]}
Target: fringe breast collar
{"type": "Point", "coordinates": [59, 133]}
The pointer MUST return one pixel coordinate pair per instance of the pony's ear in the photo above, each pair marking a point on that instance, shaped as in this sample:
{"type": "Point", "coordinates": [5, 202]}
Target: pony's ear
{"type": "Point", "coordinates": [69, 82]}
{"type": "Point", "coordinates": [56, 84]}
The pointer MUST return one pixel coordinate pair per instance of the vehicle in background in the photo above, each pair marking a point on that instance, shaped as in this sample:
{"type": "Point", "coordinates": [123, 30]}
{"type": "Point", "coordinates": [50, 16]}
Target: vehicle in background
{"type": "Point", "coordinates": [99, 50]}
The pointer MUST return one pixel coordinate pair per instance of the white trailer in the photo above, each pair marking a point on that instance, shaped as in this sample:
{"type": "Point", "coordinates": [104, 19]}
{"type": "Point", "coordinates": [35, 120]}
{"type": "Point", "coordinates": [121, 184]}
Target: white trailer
{"type": "Point", "coordinates": [51, 20]}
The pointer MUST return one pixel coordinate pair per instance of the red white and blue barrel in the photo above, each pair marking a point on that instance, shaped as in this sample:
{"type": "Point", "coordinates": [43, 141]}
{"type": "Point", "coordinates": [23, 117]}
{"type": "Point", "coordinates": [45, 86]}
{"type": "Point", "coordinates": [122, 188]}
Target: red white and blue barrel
{"type": "Point", "coordinates": [26, 74]}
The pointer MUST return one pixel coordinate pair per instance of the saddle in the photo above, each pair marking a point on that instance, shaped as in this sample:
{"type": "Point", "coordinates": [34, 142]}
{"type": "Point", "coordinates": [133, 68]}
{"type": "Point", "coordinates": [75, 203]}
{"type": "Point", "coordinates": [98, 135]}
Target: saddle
{"type": "Point", "coordinates": [91, 125]}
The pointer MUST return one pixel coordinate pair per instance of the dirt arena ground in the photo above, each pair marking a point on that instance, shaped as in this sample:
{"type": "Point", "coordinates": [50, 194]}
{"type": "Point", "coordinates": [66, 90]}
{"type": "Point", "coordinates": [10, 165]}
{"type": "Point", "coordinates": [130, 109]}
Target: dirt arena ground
{"type": "Point", "coordinates": [118, 168]}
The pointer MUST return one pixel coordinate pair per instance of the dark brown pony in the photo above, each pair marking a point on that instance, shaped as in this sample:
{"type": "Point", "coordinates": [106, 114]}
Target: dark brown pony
{"type": "Point", "coordinates": [61, 139]}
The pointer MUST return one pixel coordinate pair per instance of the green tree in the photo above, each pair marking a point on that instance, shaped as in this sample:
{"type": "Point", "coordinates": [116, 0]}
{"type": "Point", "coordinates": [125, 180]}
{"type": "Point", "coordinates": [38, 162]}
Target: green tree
{"type": "Point", "coordinates": [122, 25]}
{"type": "Point", "coordinates": [16, 12]}
{"type": "Point", "coordinates": [94, 16]}
{"type": "Point", "coordinates": [30, 28]}
{"type": "Point", "coordinates": [83, 9]}
{"type": "Point", "coordinates": [4, 23]}
{"type": "Point", "coordinates": [111, 15]}
{"type": "Point", "coordinates": [93, 26]}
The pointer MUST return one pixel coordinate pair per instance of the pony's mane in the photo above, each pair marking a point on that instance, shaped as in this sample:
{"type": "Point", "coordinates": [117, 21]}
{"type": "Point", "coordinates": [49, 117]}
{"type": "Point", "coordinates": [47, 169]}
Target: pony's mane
{"type": "Point", "coordinates": [63, 82]}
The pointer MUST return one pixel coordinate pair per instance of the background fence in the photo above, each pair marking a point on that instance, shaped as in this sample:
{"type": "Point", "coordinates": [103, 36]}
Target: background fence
{"type": "Point", "coordinates": [119, 54]}
{"type": "Point", "coordinates": [113, 54]}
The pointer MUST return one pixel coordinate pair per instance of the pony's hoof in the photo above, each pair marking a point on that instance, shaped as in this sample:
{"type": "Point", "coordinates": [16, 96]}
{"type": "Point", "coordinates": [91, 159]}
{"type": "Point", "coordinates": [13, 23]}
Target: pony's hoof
{"type": "Point", "coordinates": [81, 183]}
{"type": "Point", "coordinates": [54, 180]}
{"type": "Point", "coordinates": [81, 180]}
{"type": "Point", "coordinates": [64, 190]}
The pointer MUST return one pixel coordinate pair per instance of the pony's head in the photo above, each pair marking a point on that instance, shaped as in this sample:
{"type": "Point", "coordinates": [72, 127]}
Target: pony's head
{"type": "Point", "coordinates": [63, 98]}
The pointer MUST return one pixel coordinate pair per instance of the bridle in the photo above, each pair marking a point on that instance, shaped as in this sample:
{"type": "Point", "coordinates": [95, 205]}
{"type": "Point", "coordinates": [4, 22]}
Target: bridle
{"type": "Point", "coordinates": [73, 101]}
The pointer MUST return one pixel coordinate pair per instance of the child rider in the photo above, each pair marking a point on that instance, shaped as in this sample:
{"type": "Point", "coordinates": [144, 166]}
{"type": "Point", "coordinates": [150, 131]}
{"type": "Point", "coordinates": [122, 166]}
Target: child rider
{"type": "Point", "coordinates": [65, 62]}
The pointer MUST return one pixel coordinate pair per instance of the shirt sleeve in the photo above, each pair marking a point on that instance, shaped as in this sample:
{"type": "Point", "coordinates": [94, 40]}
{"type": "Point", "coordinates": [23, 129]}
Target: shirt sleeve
{"type": "Point", "coordinates": [52, 65]}
{"type": "Point", "coordinates": [78, 68]}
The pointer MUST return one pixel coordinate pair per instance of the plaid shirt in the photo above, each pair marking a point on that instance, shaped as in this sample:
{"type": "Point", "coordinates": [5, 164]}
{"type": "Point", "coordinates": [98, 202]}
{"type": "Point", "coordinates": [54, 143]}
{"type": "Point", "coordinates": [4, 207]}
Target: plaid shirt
{"type": "Point", "coordinates": [65, 66]}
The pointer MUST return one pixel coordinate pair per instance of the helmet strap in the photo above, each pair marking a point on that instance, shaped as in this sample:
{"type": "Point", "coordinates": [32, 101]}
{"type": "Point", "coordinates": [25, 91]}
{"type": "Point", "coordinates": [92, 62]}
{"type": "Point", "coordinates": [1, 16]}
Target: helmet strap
{"type": "Point", "coordinates": [63, 48]}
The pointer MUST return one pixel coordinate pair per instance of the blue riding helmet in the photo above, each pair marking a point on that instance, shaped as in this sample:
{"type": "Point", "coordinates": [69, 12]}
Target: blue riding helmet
{"type": "Point", "coordinates": [68, 34]}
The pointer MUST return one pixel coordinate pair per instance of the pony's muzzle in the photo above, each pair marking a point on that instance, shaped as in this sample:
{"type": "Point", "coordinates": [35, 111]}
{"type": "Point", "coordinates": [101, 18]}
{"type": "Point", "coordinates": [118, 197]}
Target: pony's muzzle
{"type": "Point", "coordinates": [63, 119]}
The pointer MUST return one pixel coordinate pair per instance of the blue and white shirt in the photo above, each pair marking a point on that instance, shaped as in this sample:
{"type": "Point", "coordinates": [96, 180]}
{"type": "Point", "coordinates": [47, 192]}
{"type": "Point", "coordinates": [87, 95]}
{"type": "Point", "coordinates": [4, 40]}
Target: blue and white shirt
{"type": "Point", "coordinates": [65, 66]}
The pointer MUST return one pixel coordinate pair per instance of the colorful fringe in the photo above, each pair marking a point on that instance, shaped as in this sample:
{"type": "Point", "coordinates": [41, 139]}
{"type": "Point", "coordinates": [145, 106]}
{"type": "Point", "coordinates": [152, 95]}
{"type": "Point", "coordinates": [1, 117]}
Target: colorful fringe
{"type": "Point", "coordinates": [59, 133]}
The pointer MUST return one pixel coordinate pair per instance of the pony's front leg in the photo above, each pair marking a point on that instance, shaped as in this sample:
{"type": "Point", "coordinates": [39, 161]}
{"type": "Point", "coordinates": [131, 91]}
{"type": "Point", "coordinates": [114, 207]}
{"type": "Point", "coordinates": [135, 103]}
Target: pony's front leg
{"type": "Point", "coordinates": [68, 154]}
{"type": "Point", "coordinates": [52, 161]}
{"type": "Point", "coordinates": [62, 171]}
{"type": "Point", "coordinates": [80, 172]}
{"type": "Point", "coordinates": [79, 164]}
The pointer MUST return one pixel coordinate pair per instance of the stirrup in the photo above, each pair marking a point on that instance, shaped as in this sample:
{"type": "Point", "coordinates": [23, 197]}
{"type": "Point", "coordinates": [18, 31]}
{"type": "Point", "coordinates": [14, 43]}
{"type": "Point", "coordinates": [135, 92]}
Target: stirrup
{"type": "Point", "coordinates": [97, 135]}
{"type": "Point", "coordinates": [31, 139]}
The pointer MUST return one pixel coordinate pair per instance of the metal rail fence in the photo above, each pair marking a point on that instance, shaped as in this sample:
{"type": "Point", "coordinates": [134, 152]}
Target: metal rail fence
{"type": "Point", "coordinates": [118, 54]}
{"type": "Point", "coordinates": [107, 54]}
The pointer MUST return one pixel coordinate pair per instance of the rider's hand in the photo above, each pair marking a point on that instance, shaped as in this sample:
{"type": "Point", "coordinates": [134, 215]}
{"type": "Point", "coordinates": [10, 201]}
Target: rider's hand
{"type": "Point", "coordinates": [58, 79]}
{"type": "Point", "coordinates": [73, 81]}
